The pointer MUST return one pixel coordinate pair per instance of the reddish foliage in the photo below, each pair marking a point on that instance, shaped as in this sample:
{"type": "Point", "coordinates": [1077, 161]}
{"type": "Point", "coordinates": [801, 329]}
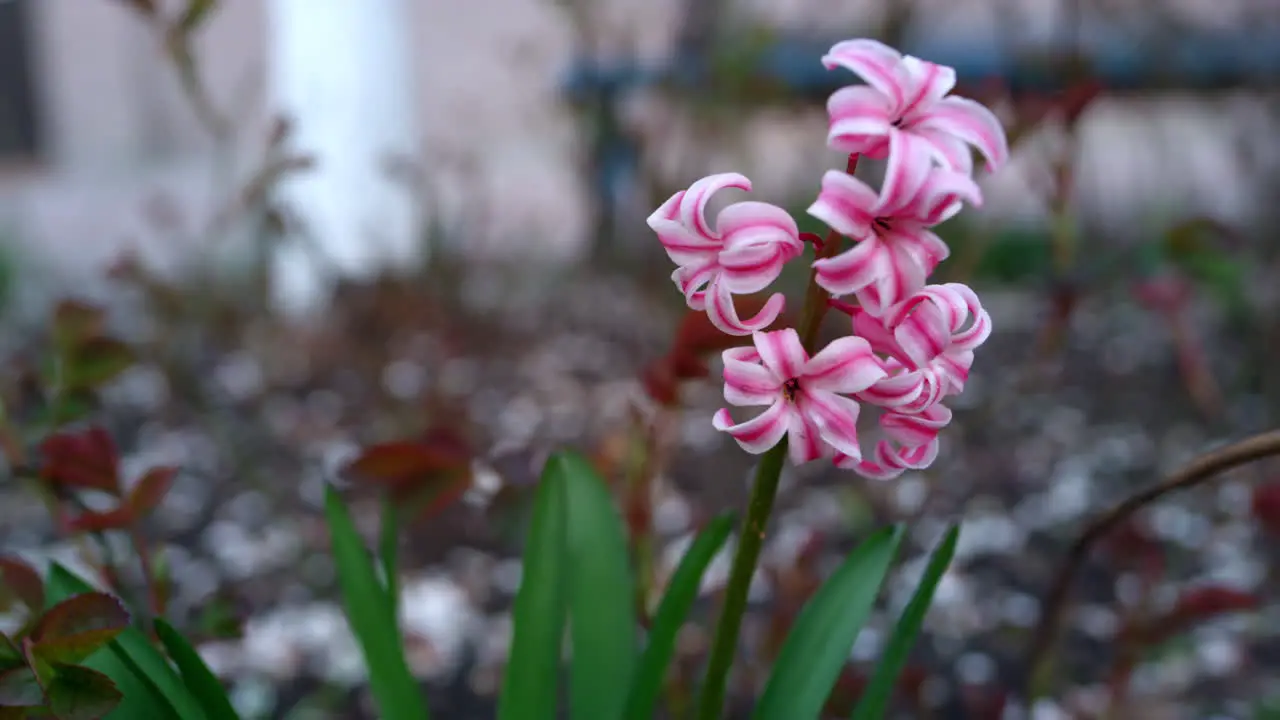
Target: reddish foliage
{"type": "Point", "coordinates": [1131, 546]}
{"type": "Point", "coordinates": [431, 472]}
{"type": "Point", "coordinates": [145, 496]}
{"type": "Point", "coordinates": [22, 580]}
{"type": "Point", "coordinates": [1266, 506]}
{"type": "Point", "coordinates": [1166, 294]}
{"type": "Point", "coordinates": [1195, 606]}
{"type": "Point", "coordinates": [87, 460]}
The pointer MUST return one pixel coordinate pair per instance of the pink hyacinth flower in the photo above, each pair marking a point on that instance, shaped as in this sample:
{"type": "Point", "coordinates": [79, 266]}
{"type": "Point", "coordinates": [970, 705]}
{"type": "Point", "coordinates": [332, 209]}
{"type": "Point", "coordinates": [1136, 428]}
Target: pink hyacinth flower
{"type": "Point", "coordinates": [743, 253]}
{"type": "Point", "coordinates": [928, 343]}
{"type": "Point", "coordinates": [805, 397]}
{"type": "Point", "coordinates": [895, 251]}
{"type": "Point", "coordinates": [911, 443]}
{"type": "Point", "coordinates": [905, 95]}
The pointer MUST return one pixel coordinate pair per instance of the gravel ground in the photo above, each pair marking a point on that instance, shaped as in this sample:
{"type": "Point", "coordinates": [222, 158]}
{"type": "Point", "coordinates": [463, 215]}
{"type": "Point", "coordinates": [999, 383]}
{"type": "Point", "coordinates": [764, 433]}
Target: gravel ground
{"type": "Point", "coordinates": [260, 418]}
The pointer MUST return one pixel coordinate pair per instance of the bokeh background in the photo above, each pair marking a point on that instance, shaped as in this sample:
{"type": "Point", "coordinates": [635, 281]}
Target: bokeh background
{"type": "Point", "coordinates": [331, 223]}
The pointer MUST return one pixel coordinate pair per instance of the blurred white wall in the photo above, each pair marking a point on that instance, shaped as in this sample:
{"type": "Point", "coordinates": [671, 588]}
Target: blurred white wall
{"type": "Point", "coordinates": [500, 151]}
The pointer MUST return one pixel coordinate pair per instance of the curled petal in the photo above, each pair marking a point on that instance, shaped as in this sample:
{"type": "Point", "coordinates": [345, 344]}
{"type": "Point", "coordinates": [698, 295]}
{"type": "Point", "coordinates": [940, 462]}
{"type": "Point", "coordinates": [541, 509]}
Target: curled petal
{"type": "Point", "coordinates": [683, 245]}
{"type": "Point", "coordinates": [746, 381]}
{"type": "Point", "coordinates": [691, 279]}
{"type": "Point", "coordinates": [693, 206]}
{"type": "Point", "coordinates": [917, 429]}
{"type": "Point", "coordinates": [836, 417]}
{"type": "Point", "coordinates": [846, 204]}
{"type": "Point", "coordinates": [751, 223]}
{"type": "Point", "coordinates": [942, 195]}
{"type": "Point", "coordinates": [972, 122]}
{"type": "Point", "coordinates": [860, 118]}
{"type": "Point", "coordinates": [854, 269]}
{"type": "Point", "coordinates": [950, 151]}
{"type": "Point", "coordinates": [722, 313]}
{"type": "Point", "coordinates": [905, 274]}
{"type": "Point", "coordinates": [876, 63]}
{"type": "Point", "coordinates": [752, 268]}
{"type": "Point", "coordinates": [910, 162]}
{"type": "Point", "coordinates": [847, 365]}
{"type": "Point", "coordinates": [979, 329]}
{"type": "Point", "coordinates": [923, 334]}
{"type": "Point", "coordinates": [895, 390]}
{"type": "Point", "coordinates": [929, 83]}
{"type": "Point", "coordinates": [760, 432]}
{"type": "Point", "coordinates": [782, 353]}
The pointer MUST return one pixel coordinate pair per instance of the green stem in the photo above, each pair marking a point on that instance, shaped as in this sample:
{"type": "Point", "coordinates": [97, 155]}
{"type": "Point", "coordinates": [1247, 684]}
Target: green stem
{"type": "Point", "coordinates": [764, 489]}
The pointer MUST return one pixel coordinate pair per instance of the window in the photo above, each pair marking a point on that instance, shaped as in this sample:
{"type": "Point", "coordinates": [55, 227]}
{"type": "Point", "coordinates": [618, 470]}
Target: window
{"type": "Point", "coordinates": [18, 132]}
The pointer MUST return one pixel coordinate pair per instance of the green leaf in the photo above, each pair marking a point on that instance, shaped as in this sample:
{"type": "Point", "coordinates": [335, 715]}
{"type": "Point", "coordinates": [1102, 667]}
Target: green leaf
{"type": "Point", "coordinates": [200, 680]}
{"type": "Point", "coordinates": [97, 361]}
{"type": "Point", "coordinates": [818, 646]}
{"type": "Point", "coordinates": [150, 686]}
{"type": "Point", "coordinates": [78, 693]}
{"type": "Point", "coordinates": [602, 595]}
{"type": "Point", "coordinates": [530, 687]}
{"type": "Point", "coordinates": [75, 628]}
{"type": "Point", "coordinates": [378, 631]}
{"type": "Point", "coordinates": [388, 551]}
{"type": "Point", "coordinates": [681, 593]}
{"type": "Point", "coordinates": [875, 697]}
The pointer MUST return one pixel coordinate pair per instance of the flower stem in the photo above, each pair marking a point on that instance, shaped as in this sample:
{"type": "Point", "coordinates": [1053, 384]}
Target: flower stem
{"type": "Point", "coordinates": [764, 489]}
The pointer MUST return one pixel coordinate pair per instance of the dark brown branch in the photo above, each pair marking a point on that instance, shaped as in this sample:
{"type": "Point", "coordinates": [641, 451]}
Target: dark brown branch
{"type": "Point", "coordinates": [1201, 469]}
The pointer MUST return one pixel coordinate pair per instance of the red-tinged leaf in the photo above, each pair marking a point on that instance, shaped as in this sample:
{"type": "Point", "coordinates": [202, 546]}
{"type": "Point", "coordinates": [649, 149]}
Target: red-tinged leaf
{"type": "Point", "coordinates": [403, 466]}
{"type": "Point", "coordinates": [1196, 606]}
{"type": "Point", "coordinates": [660, 382]}
{"type": "Point", "coordinates": [75, 322]}
{"type": "Point", "coordinates": [78, 693]}
{"type": "Point", "coordinates": [86, 460]}
{"type": "Point", "coordinates": [19, 688]}
{"type": "Point", "coordinates": [1166, 294]}
{"type": "Point", "coordinates": [1132, 546]}
{"type": "Point", "coordinates": [1266, 506]}
{"type": "Point", "coordinates": [74, 628]}
{"type": "Point", "coordinates": [94, 522]}
{"type": "Point", "coordinates": [22, 581]}
{"type": "Point", "coordinates": [97, 361]}
{"type": "Point", "coordinates": [151, 489]}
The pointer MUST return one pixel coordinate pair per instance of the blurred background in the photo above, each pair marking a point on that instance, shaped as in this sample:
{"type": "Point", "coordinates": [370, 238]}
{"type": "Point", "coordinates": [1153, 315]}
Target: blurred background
{"type": "Point", "coordinates": [332, 223]}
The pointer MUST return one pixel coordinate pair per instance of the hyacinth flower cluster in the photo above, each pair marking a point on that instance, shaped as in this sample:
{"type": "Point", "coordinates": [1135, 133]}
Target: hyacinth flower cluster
{"type": "Point", "coordinates": [910, 343]}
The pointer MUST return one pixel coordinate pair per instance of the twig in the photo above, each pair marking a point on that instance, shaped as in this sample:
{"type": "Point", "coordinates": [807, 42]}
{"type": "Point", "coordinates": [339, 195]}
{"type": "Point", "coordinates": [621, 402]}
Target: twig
{"type": "Point", "coordinates": [1201, 469]}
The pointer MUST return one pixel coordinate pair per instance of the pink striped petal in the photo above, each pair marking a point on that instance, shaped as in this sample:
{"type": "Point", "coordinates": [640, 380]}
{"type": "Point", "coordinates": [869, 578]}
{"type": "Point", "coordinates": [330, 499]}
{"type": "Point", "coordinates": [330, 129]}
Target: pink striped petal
{"type": "Point", "coordinates": [781, 352]}
{"type": "Point", "coordinates": [918, 429]}
{"type": "Point", "coordinates": [845, 203]}
{"type": "Point", "coordinates": [722, 313]}
{"type": "Point", "coordinates": [876, 63]}
{"type": "Point", "coordinates": [853, 269]}
{"type": "Point", "coordinates": [846, 365]}
{"type": "Point", "coordinates": [929, 83]}
{"type": "Point", "coordinates": [760, 432]}
{"type": "Point", "coordinates": [693, 207]}
{"type": "Point", "coordinates": [804, 440]}
{"type": "Point", "coordinates": [979, 329]}
{"type": "Point", "coordinates": [924, 334]}
{"type": "Point", "coordinates": [872, 328]}
{"type": "Point", "coordinates": [683, 245]}
{"type": "Point", "coordinates": [942, 195]}
{"type": "Point", "coordinates": [836, 417]}
{"type": "Point", "coordinates": [894, 391]}
{"type": "Point", "coordinates": [757, 223]}
{"type": "Point", "coordinates": [922, 244]}
{"type": "Point", "coordinates": [860, 119]}
{"type": "Point", "coordinates": [690, 279]}
{"type": "Point", "coordinates": [910, 161]}
{"type": "Point", "coordinates": [751, 268]}
{"type": "Point", "coordinates": [950, 151]}
{"type": "Point", "coordinates": [746, 381]}
{"type": "Point", "coordinates": [972, 122]}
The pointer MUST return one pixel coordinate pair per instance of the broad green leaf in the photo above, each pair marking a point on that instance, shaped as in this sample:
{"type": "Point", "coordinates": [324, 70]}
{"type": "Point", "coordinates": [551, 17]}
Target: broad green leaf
{"type": "Point", "coordinates": [818, 646]}
{"type": "Point", "coordinates": [79, 693]}
{"type": "Point", "coordinates": [200, 680]}
{"type": "Point", "coordinates": [95, 362]}
{"type": "Point", "coordinates": [530, 688]}
{"type": "Point", "coordinates": [681, 593]}
{"type": "Point", "coordinates": [149, 684]}
{"type": "Point", "coordinates": [602, 596]}
{"type": "Point", "coordinates": [378, 631]}
{"type": "Point", "coordinates": [875, 697]}
{"type": "Point", "coordinates": [75, 628]}
{"type": "Point", "coordinates": [20, 688]}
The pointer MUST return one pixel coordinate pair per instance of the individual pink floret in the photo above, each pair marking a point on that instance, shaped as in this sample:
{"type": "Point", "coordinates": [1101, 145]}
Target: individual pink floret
{"type": "Point", "coordinates": [805, 398]}
{"type": "Point", "coordinates": [743, 253]}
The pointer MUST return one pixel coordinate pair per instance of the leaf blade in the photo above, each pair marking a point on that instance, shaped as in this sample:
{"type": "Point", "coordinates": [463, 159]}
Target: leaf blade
{"type": "Point", "coordinates": [199, 679]}
{"type": "Point", "coordinates": [879, 690]}
{"type": "Point", "coordinates": [681, 593]}
{"type": "Point", "coordinates": [817, 648]}
{"type": "Point", "coordinates": [530, 686]}
{"type": "Point", "coordinates": [364, 598]}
